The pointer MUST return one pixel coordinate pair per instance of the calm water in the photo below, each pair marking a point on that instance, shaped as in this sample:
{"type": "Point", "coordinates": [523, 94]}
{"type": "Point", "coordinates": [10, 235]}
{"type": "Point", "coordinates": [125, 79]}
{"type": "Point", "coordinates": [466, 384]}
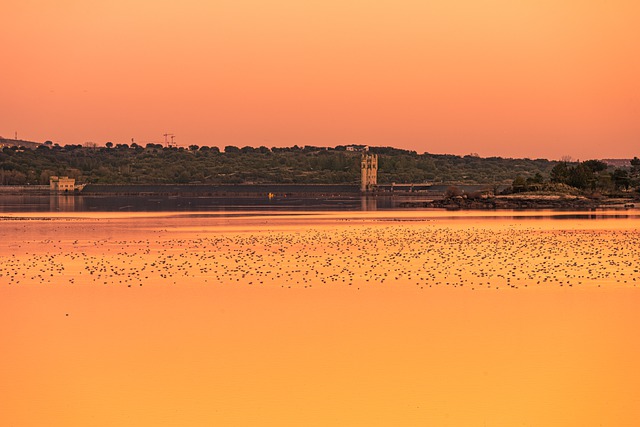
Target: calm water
{"type": "Point", "coordinates": [160, 203]}
{"type": "Point", "coordinates": [319, 318]}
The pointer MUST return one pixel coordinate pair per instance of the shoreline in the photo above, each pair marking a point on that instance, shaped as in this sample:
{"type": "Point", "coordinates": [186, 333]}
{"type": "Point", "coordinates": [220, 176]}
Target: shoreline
{"type": "Point", "coordinates": [328, 195]}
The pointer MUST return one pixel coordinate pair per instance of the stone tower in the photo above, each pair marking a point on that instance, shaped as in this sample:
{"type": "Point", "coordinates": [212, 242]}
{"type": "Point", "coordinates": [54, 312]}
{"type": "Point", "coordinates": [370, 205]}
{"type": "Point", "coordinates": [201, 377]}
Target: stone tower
{"type": "Point", "coordinates": [369, 172]}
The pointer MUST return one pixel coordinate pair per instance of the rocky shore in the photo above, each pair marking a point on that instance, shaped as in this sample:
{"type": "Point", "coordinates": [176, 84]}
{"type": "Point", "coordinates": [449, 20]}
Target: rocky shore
{"type": "Point", "coordinates": [524, 202]}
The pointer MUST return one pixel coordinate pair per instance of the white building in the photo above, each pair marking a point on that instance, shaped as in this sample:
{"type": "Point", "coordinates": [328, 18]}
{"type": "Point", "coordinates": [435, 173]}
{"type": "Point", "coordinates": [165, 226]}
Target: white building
{"type": "Point", "coordinates": [62, 183]}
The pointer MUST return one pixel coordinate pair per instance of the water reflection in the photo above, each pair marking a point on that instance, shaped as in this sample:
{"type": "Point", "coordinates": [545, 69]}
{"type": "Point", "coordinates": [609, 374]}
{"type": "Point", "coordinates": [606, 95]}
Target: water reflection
{"type": "Point", "coordinates": [164, 203]}
{"type": "Point", "coordinates": [161, 203]}
{"type": "Point", "coordinates": [64, 203]}
{"type": "Point", "coordinates": [368, 203]}
{"type": "Point", "coordinates": [198, 318]}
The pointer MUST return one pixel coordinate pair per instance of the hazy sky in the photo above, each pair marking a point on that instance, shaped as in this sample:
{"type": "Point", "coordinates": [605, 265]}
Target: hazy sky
{"type": "Point", "coordinates": [514, 78]}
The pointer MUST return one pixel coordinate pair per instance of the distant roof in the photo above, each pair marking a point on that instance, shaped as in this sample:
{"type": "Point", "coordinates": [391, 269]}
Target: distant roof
{"type": "Point", "coordinates": [618, 162]}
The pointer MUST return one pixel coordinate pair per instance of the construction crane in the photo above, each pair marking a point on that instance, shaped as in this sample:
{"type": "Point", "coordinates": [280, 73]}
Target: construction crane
{"type": "Point", "coordinates": [167, 142]}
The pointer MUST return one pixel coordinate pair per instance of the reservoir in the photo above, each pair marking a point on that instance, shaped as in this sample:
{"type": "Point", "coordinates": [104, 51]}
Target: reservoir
{"type": "Point", "coordinates": [288, 317]}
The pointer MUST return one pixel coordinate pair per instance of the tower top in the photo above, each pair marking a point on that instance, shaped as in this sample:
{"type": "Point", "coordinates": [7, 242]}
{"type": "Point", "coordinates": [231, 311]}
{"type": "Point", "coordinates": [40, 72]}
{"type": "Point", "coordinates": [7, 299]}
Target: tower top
{"type": "Point", "coordinates": [368, 172]}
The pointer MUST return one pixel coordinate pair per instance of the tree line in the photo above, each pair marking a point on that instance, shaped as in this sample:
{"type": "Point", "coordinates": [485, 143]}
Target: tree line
{"type": "Point", "coordinates": [588, 176]}
{"type": "Point", "coordinates": [157, 164]}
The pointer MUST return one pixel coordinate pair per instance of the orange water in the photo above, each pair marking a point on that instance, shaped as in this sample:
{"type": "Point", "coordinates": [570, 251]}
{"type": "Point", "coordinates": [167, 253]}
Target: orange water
{"type": "Point", "coordinates": [200, 348]}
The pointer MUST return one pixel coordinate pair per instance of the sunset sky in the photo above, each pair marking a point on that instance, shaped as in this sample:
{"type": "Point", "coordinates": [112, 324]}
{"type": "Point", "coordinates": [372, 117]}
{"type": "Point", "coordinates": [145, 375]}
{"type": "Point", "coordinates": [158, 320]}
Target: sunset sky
{"type": "Point", "coordinates": [512, 78]}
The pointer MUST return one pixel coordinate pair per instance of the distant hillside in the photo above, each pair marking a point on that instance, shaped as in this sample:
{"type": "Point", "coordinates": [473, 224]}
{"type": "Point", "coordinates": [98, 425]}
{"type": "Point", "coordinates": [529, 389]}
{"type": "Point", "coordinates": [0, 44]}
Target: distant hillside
{"type": "Point", "coordinates": [6, 142]}
{"type": "Point", "coordinates": [155, 164]}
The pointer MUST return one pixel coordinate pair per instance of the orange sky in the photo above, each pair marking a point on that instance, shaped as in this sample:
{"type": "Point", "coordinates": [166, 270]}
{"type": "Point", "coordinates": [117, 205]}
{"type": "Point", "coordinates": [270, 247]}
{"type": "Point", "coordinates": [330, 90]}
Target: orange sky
{"type": "Point", "coordinates": [528, 78]}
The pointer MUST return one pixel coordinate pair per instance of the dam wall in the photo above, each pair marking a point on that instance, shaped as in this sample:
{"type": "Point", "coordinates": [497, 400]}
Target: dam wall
{"type": "Point", "coordinates": [238, 190]}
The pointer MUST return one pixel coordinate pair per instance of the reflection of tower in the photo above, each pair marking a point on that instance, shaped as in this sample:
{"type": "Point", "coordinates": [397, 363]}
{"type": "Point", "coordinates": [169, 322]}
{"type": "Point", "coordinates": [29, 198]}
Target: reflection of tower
{"type": "Point", "coordinates": [62, 202]}
{"type": "Point", "coordinates": [369, 172]}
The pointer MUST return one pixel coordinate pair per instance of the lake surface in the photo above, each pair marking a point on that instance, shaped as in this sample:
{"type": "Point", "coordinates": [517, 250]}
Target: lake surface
{"type": "Point", "coordinates": [33, 202]}
{"type": "Point", "coordinates": [286, 318]}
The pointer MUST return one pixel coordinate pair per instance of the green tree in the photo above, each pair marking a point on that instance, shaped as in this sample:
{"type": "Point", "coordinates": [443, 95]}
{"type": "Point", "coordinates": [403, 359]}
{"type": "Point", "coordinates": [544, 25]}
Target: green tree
{"type": "Point", "coordinates": [560, 173]}
{"type": "Point", "coordinates": [231, 149]}
{"type": "Point", "coordinates": [580, 177]}
{"type": "Point", "coordinates": [620, 178]}
{"type": "Point", "coordinates": [635, 166]}
{"type": "Point", "coordinates": [595, 166]}
{"type": "Point", "coordinates": [519, 184]}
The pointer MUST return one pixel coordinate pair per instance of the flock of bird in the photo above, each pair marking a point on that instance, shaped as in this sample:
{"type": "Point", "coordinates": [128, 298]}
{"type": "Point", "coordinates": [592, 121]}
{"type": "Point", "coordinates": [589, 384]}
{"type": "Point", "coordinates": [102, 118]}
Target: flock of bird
{"type": "Point", "coordinates": [420, 255]}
